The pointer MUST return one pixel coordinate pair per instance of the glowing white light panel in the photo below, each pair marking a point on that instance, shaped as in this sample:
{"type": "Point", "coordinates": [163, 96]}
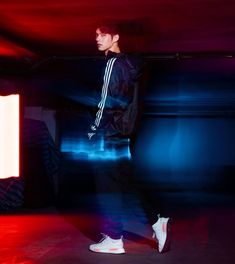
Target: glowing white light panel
{"type": "Point", "coordinates": [9, 136]}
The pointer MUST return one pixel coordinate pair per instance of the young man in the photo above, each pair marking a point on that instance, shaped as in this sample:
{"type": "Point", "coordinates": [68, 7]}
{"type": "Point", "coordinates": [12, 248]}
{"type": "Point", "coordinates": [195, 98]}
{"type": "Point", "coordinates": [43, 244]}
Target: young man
{"type": "Point", "coordinates": [114, 124]}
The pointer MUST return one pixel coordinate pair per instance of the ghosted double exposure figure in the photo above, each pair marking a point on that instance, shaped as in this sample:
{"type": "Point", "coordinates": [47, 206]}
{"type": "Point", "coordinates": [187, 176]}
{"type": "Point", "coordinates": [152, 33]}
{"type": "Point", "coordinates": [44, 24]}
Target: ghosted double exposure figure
{"type": "Point", "coordinates": [114, 125]}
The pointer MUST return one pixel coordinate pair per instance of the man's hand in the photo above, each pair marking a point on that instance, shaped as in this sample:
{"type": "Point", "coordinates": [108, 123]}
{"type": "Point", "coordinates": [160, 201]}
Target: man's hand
{"type": "Point", "coordinates": [90, 135]}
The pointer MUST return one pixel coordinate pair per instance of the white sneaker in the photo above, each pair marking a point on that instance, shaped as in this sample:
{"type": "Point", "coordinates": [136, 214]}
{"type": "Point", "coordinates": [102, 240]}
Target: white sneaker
{"type": "Point", "coordinates": [108, 245]}
{"type": "Point", "coordinates": [161, 232]}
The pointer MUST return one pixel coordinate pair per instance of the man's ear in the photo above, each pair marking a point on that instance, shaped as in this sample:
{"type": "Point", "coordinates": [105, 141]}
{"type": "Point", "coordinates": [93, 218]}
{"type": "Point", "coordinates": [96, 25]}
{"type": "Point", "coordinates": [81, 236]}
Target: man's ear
{"type": "Point", "coordinates": [116, 38]}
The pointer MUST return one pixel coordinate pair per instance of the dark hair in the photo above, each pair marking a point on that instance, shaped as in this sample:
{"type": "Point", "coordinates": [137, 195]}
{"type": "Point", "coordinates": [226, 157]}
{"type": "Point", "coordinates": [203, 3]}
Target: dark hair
{"type": "Point", "coordinates": [109, 28]}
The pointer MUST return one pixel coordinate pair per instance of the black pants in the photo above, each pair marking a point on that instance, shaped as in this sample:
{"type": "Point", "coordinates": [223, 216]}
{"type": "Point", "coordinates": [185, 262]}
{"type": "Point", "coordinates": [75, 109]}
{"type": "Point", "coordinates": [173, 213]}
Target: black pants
{"type": "Point", "coordinates": [114, 177]}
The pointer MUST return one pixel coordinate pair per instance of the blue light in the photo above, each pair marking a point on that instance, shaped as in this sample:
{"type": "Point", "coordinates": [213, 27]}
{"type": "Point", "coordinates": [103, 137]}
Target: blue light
{"type": "Point", "coordinates": [84, 149]}
{"type": "Point", "coordinates": [183, 150]}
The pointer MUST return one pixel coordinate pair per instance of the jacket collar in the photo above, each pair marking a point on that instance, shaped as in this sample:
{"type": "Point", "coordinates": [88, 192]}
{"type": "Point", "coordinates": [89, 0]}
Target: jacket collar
{"type": "Point", "coordinates": [112, 54]}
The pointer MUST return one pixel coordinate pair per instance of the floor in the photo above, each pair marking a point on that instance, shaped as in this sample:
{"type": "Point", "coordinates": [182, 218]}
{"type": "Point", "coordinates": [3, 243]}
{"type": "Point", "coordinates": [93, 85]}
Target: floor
{"type": "Point", "coordinates": [202, 232]}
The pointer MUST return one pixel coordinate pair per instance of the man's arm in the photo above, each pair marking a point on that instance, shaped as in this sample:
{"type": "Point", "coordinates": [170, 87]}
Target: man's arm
{"type": "Point", "coordinates": [105, 91]}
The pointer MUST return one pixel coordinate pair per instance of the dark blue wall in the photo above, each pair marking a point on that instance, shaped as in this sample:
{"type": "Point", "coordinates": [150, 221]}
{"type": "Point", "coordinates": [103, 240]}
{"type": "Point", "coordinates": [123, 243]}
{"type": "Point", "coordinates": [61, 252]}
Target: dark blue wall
{"type": "Point", "coordinates": [187, 136]}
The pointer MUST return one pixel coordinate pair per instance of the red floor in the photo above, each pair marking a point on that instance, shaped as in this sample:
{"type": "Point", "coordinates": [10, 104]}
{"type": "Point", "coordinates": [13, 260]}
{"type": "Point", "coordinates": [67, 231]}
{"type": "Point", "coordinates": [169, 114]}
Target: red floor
{"type": "Point", "coordinates": [51, 236]}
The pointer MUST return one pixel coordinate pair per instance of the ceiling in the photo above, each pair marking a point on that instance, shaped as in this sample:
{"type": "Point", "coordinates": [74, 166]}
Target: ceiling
{"type": "Point", "coordinates": [66, 27]}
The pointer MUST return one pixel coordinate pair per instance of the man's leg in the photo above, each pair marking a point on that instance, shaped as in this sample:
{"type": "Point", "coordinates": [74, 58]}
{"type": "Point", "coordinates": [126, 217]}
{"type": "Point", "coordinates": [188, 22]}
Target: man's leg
{"type": "Point", "coordinates": [109, 198]}
{"type": "Point", "coordinates": [149, 203]}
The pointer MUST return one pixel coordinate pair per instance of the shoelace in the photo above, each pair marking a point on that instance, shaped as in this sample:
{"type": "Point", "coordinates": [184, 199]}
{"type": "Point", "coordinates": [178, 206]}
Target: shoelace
{"type": "Point", "coordinates": [103, 238]}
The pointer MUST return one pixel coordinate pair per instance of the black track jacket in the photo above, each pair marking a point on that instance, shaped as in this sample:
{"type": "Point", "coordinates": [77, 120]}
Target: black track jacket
{"type": "Point", "coordinates": [118, 107]}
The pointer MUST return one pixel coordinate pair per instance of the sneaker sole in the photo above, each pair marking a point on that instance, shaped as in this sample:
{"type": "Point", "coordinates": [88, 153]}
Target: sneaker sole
{"type": "Point", "coordinates": [110, 251]}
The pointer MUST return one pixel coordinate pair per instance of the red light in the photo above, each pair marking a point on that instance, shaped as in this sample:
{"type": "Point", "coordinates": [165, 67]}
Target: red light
{"type": "Point", "coordinates": [11, 49]}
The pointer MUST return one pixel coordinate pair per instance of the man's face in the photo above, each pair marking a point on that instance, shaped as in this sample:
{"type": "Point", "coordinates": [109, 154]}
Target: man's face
{"type": "Point", "coordinates": [104, 41]}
